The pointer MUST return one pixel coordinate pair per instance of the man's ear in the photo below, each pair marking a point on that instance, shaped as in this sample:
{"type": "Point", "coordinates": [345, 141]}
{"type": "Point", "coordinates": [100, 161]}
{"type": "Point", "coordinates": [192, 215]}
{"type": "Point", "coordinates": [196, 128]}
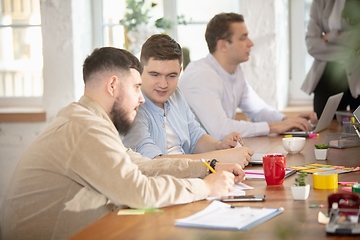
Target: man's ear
{"type": "Point", "coordinates": [111, 85]}
{"type": "Point", "coordinates": [222, 45]}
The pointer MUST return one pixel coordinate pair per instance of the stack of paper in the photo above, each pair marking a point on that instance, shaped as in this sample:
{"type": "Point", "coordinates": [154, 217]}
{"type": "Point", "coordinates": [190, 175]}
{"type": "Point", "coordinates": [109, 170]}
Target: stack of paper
{"type": "Point", "coordinates": [259, 174]}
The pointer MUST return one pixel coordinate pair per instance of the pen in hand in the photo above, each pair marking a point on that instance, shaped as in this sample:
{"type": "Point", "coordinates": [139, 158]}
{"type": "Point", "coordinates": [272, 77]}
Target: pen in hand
{"type": "Point", "coordinates": [208, 166]}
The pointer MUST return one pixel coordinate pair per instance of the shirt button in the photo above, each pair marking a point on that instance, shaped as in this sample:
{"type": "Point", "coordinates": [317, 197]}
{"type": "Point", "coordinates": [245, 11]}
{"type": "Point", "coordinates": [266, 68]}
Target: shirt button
{"type": "Point", "coordinates": [133, 147]}
{"type": "Point", "coordinates": [161, 110]}
{"type": "Point", "coordinates": [167, 147]}
{"type": "Point", "coordinates": [163, 125]}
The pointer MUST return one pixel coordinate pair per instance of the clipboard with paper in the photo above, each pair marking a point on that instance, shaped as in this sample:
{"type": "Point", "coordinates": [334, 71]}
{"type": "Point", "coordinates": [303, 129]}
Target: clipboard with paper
{"type": "Point", "coordinates": [220, 215]}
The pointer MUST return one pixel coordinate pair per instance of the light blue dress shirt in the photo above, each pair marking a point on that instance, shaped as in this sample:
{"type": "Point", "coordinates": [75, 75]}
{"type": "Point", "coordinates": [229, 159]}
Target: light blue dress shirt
{"type": "Point", "coordinates": [148, 134]}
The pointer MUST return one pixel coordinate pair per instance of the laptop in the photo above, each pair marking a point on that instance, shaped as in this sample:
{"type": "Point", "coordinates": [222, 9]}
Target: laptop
{"type": "Point", "coordinates": [326, 116]}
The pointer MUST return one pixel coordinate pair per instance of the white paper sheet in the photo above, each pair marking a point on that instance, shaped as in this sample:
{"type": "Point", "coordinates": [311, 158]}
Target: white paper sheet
{"type": "Point", "coordinates": [237, 191]}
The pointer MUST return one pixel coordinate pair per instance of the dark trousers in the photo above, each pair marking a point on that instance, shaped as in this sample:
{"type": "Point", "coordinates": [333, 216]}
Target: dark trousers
{"type": "Point", "coordinates": [333, 81]}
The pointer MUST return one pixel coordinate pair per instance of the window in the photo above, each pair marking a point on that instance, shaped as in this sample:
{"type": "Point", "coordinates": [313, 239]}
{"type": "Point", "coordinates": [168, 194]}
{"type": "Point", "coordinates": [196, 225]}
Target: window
{"type": "Point", "coordinates": [21, 60]}
{"type": "Point", "coordinates": [301, 61]}
{"type": "Point", "coordinates": [192, 35]}
{"type": "Point", "coordinates": [113, 11]}
{"type": "Point", "coordinates": [197, 14]}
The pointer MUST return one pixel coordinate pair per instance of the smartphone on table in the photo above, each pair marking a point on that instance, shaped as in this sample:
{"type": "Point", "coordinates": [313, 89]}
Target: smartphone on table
{"type": "Point", "coordinates": [246, 198]}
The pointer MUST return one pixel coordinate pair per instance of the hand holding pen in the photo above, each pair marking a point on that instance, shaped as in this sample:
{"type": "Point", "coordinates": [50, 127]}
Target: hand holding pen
{"type": "Point", "coordinates": [233, 168]}
{"type": "Point", "coordinates": [232, 140]}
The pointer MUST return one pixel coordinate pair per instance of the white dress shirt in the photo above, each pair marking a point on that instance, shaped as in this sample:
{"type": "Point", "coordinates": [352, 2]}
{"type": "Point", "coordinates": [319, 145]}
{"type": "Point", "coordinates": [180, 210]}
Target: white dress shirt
{"type": "Point", "coordinates": [214, 95]}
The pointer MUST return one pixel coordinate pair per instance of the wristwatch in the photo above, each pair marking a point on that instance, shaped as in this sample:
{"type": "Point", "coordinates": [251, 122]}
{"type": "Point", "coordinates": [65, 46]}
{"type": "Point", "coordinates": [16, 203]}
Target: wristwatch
{"type": "Point", "coordinates": [213, 164]}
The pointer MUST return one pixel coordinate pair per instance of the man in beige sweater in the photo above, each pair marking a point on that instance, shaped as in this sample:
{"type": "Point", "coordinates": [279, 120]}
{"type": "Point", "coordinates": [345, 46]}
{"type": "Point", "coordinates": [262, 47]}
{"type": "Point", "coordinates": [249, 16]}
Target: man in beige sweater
{"type": "Point", "coordinates": [77, 170]}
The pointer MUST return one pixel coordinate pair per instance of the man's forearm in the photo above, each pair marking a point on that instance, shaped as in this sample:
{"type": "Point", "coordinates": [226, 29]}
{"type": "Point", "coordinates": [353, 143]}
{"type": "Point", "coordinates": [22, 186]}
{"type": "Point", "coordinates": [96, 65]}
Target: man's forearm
{"type": "Point", "coordinates": [206, 144]}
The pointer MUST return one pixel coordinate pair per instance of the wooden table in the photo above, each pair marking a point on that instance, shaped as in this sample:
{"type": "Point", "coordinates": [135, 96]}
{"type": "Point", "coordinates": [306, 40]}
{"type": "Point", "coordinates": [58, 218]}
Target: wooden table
{"type": "Point", "coordinates": [298, 221]}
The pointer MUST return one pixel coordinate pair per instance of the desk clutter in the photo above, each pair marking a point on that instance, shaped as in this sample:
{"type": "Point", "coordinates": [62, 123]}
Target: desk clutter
{"type": "Point", "coordinates": [344, 214]}
{"type": "Point", "coordinates": [350, 137]}
{"type": "Point", "coordinates": [315, 167]}
{"type": "Point", "coordinates": [342, 140]}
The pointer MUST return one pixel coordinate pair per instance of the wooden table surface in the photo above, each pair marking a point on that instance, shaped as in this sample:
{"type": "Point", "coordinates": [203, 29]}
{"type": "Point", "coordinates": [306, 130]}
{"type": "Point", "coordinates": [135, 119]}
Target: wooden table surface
{"type": "Point", "coordinates": [298, 221]}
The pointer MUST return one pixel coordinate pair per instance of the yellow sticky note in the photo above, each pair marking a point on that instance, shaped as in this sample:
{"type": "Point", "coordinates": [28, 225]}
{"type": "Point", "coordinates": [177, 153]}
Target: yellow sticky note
{"type": "Point", "coordinates": [312, 170]}
{"type": "Point", "coordinates": [130, 212]}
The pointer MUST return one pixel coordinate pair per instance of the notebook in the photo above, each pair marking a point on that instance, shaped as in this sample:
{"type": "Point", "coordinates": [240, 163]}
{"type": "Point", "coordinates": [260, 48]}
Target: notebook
{"type": "Point", "coordinates": [223, 216]}
{"type": "Point", "coordinates": [326, 116]}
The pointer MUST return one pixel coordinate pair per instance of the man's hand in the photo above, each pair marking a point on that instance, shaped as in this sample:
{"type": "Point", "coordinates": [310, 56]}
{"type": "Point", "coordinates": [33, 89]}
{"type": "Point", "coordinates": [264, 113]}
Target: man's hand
{"type": "Point", "coordinates": [289, 124]}
{"type": "Point", "coordinates": [233, 168]}
{"type": "Point", "coordinates": [325, 36]}
{"type": "Point", "coordinates": [240, 155]}
{"type": "Point", "coordinates": [219, 183]}
{"type": "Point", "coordinates": [309, 116]}
{"type": "Point", "coordinates": [231, 140]}
{"type": "Point", "coordinates": [298, 122]}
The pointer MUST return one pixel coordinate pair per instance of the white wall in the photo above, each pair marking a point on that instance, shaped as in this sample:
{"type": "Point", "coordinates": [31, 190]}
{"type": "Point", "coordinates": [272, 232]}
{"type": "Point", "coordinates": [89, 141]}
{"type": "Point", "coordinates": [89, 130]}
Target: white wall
{"type": "Point", "coordinates": [66, 29]}
{"type": "Point", "coordinates": [267, 70]}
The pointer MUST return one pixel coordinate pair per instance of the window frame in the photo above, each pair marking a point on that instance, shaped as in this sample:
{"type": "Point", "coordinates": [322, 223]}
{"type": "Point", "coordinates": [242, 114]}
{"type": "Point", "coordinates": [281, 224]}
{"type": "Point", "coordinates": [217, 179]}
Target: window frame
{"type": "Point", "coordinates": [23, 101]}
{"type": "Point", "coordinates": [298, 53]}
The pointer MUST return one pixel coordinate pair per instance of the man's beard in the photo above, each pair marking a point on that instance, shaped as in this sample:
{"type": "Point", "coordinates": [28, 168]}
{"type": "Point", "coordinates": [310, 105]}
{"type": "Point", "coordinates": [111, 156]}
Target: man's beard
{"type": "Point", "coordinates": [121, 121]}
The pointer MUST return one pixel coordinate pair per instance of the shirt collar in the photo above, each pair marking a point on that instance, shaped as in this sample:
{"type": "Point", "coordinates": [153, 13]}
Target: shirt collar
{"type": "Point", "coordinates": [220, 69]}
{"type": "Point", "coordinates": [155, 108]}
{"type": "Point", "coordinates": [93, 107]}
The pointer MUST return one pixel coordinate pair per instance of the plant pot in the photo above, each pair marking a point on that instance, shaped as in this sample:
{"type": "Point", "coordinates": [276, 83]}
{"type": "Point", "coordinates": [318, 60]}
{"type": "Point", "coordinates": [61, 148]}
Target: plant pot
{"type": "Point", "coordinates": [321, 154]}
{"type": "Point", "coordinates": [300, 192]}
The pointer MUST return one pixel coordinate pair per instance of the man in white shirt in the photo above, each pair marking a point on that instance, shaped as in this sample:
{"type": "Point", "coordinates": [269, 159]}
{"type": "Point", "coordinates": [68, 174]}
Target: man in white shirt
{"type": "Point", "coordinates": [215, 86]}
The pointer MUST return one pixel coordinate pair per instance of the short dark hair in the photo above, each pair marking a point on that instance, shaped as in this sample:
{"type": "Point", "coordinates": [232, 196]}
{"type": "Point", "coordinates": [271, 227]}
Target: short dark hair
{"type": "Point", "coordinates": [219, 28]}
{"type": "Point", "coordinates": [109, 58]}
{"type": "Point", "coordinates": [160, 47]}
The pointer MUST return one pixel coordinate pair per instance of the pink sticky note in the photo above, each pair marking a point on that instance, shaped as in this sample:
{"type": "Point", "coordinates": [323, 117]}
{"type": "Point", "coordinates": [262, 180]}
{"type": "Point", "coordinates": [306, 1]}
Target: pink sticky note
{"type": "Point", "coordinates": [347, 189]}
{"type": "Point", "coordinates": [346, 183]}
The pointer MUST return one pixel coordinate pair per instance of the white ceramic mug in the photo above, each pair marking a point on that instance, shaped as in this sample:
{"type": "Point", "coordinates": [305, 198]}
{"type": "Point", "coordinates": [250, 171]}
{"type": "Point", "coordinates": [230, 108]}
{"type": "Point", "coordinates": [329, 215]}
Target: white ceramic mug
{"type": "Point", "coordinates": [294, 144]}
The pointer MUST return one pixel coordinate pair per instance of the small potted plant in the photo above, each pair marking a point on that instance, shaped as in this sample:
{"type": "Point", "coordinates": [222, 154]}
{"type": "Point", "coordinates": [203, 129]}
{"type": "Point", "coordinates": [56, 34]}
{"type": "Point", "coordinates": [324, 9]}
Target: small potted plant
{"type": "Point", "coordinates": [300, 190]}
{"type": "Point", "coordinates": [321, 151]}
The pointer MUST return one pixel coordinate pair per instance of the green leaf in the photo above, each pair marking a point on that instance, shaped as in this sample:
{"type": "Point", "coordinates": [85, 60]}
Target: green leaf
{"type": "Point", "coordinates": [300, 180]}
{"type": "Point", "coordinates": [322, 146]}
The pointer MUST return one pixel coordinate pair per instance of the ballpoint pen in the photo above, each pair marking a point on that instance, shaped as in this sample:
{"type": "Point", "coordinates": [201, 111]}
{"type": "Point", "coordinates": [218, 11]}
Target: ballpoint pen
{"type": "Point", "coordinates": [356, 130]}
{"type": "Point", "coordinates": [311, 135]}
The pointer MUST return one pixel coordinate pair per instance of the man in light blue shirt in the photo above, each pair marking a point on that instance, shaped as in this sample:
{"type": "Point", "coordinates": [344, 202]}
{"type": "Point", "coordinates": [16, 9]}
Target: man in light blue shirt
{"type": "Point", "coordinates": [165, 124]}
